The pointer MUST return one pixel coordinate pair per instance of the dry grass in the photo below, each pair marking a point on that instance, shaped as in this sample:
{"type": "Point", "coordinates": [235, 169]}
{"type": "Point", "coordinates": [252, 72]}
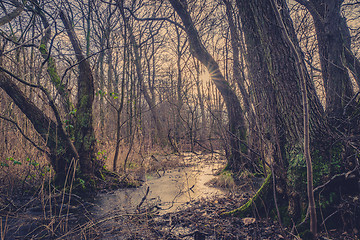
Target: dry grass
{"type": "Point", "coordinates": [32, 208]}
{"type": "Point", "coordinates": [224, 180]}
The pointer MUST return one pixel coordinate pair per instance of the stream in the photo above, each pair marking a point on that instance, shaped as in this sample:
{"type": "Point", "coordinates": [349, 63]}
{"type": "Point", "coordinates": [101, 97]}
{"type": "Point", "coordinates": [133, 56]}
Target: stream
{"type": "Point", "coordinates": [166, 191]}
{"type": "Point", "coordinates": [147, 211]}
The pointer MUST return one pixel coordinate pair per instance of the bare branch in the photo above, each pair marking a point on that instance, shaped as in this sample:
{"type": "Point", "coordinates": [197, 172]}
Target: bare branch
{"type": "Point", "coordinates": [19, 79]}
{"type": "Point", "coordinates": [24, 135]}
{"type": "Point", "coordinates": [154, 19]}
{"type": "Point", "coordinates": [7, 18]}
{"type": "Point", "coordinates": [310, 7]}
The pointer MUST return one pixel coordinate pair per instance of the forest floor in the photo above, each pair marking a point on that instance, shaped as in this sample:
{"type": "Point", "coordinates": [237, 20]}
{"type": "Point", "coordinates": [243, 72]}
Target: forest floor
{"type": "Point", "coordinates": [61, 216]}
{"type": "Point", "coordinates": [202, 220]}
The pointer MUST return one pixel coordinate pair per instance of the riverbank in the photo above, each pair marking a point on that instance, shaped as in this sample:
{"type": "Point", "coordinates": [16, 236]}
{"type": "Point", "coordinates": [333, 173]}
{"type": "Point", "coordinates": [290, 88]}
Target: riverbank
{"type": "Point", "coordinates": [173, 203]}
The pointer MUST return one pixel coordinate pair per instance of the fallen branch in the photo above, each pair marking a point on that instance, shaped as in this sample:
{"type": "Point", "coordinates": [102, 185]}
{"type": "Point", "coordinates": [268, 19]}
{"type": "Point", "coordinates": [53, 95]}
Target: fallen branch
{"type": "Point", "coordinates": [143, 199]}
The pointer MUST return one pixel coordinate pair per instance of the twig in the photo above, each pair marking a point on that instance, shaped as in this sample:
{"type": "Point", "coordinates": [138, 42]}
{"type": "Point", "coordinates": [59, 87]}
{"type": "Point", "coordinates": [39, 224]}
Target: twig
{"type": "Point", "coordinates": [154, 19]}
{"type": "Point", "coordinates": [334, 177]}
{"type": "Point", "coordinates": [23, 134]}
{"type": "Point", "coordinates": [143, 199]}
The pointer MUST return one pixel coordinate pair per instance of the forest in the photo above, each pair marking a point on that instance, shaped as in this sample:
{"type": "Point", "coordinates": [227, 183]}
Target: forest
{"type": "Point", "coordinates": [179, 119]}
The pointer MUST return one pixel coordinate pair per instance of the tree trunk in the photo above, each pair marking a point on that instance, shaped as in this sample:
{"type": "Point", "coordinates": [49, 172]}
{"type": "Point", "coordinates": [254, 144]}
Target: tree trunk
{"type": "Point", "coordinates": [237, 158]}
{"type": "Point", "coordinates": [62, 152]}
{"type": "Point", "coordinates": [277, 86]}
{"type": "Point", "coordinates": [301, 71]}
{"type": "Point", "coordinates": [332, 43]}
{"type": "Point", "coordinates": [121, 107]}
{"type": "Point", "coordinates": [84, 131]}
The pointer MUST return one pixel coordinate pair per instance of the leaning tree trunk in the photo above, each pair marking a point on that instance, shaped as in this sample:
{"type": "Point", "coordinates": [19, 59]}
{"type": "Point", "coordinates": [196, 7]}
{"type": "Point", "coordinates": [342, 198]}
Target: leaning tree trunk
{"type": "Point", "coordinates": [62, 151]}
{"type": "Point", "coordinates": [51, 63]}
{"type": "Point", "coordinates": [237, 158]}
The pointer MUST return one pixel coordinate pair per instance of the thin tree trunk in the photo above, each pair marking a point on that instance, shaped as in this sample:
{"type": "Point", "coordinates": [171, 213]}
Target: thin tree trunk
{"type": "Point", "coordinates": [201, 102]}
{"type": "Point", "coordinates": [179, 86]}
{"type": "Point", "coordinates": [143, 88]}
{"type": "Point", "coordinates": [238, 73]}
{"type": "Point", "coordinates": [122, 97]}
{"type": "Point", "coordinates": [301, 70]}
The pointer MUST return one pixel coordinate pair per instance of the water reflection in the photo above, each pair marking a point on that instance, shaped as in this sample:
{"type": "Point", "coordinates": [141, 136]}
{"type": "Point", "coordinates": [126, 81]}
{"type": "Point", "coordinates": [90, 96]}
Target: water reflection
{"type": "Point", "coordinates": [168, 190]}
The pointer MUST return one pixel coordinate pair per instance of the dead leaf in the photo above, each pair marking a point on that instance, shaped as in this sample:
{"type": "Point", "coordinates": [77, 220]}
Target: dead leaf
{"type": "Point", "coordinates": [248, 221]}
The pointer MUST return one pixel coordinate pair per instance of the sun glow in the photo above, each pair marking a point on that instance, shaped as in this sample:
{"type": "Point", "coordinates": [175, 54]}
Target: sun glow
{"type": "Point", "coordinates": [205, 76]}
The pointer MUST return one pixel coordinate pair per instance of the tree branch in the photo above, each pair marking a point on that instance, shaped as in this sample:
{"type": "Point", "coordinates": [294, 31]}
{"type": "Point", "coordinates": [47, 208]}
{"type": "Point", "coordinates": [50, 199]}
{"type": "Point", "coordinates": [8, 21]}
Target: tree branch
{"type": "Point", "coordinates": [31, 110]}
{"type": "Point", "coordinates": [19, 79]}
{"type": "Point", "coordinates": [311, 8]}
{"type": "Point", "coordinates": [7, 18]}
{"type": "Point", "coordinates": [154, 19]}
{"type": "Point", "coordinates": [23, 134]}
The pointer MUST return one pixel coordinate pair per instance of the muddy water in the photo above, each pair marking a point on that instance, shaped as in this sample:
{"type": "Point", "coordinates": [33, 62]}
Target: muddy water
{"type": "Point", "coordinates": [166, 191]}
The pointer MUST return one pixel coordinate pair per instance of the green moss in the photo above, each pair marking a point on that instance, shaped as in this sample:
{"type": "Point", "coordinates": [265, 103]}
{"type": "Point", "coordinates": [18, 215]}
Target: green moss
{"type": "Point", "coordinates": [224, 180]}
{"type": "Point", "coordinates": [88, 141]}
{"type": "Point", "coordinates": [296, 173]}
{"type": "Point", "coordinates": [323, 167]}
{"type": "Point", "coordinates": [336, 158]}
{"type": "Point", "coordinates": [83, 100]}
{"type": "Point", "coordinates": [53, 73]}
{"type": "Point", "coordinates": [60, 150]}
{"type": "Point", "coordinates": [306, 234]}
{"type": "Point", "coordinates": [284, 213]}
{"type": "Point", "coordinates": [92, 183]}
{"type": "Point", "coordinates": [102, 176]}
{"type": "Point", "coordinates": [54, 76]}
{"type": "Point", "coordinates": [43, 49]}
{"type": "Point", "coordinates": [246, 209]}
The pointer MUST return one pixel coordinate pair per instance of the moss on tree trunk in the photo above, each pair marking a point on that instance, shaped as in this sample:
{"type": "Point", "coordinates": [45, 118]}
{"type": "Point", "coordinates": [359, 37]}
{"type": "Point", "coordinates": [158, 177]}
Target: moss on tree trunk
{"type": "Point", "coordinates": [255, 204]}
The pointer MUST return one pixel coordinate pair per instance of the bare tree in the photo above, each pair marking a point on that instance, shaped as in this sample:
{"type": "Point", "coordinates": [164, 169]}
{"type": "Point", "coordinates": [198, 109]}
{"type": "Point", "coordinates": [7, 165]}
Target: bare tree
{"type": "Point", "coordinates": [278, 82]}
{"type": "Point", "coordinates": [334, 43]}
{"type": "Point", "coordinates": [237, 159]}
{"type": "Point", "coordinates": [63, 152]}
